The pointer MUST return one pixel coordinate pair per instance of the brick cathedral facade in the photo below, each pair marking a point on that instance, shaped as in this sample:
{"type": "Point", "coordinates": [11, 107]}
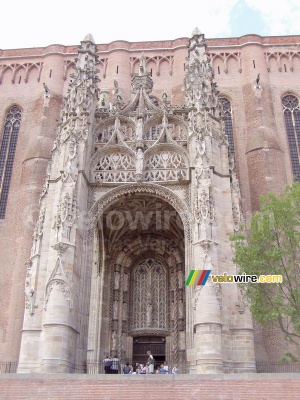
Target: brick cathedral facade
{"type": "Point", "coordinates": [122, 167]}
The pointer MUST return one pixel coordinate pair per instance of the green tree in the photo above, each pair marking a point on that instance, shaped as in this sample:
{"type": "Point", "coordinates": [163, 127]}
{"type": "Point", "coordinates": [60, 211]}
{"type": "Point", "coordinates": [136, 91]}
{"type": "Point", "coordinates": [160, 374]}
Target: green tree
{"type": "Point", "coordinates": [271, 246]}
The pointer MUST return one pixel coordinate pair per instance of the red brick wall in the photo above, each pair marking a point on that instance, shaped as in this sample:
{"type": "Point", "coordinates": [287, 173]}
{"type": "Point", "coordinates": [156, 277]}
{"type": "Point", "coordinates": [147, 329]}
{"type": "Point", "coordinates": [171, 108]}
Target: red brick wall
{"type": "Point", "coordinates": [178, 387]}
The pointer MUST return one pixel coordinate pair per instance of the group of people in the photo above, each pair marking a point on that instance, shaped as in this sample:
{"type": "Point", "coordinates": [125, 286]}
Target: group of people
{"type": "Point", "coordinates": [165, 369]}
{"type": "Point", "coordinates": [148, 368]}
{"type": "Point", "coordinates": [111, 365]}
{"type": "Point", "coordinates": [144, 369]}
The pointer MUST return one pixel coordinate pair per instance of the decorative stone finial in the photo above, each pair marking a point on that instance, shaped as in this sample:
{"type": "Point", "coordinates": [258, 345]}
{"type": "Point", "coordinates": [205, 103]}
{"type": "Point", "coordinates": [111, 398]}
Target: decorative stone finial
{"type": "Point", "coordinates": [196, 31]}
{"type": "Point", "coordinates": [142, 79]}
{"type": "Point", "coordinates": [200, 89]}
{"type": "Point", "coordinates": [89, 38]}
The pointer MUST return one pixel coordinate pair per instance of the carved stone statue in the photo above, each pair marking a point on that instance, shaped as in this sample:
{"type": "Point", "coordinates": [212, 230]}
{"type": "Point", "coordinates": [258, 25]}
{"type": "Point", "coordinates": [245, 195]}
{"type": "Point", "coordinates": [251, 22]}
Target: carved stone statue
{"type": "Point", "coordinates": [149, 314]}
{"type": "Point", "coordinates": [125, 282]}
{"type": "Point", "coordinates": [123, 341]}
{"type": "Point", "coordinates": [143, 68]}
{"type": "Point", "coordinates": [70, 173]}
{"type": "Point", "coordinates": [204, 205]}
{"type": "Point", "coordinates": [173, 311]}
{"type": "Point", "coordinates": [200, 147]}
{"type": "Point", "coordinates": [180, 279]}
{"type": "Point", "coordinates": [54, 145]}
{"type": "Point", "coordinates": [124, 312]}
{"type": "Point", "coordinates": [117, 280]}
{"type": "Point", "coordinates": [115, 310]}
{"type": "Point", "coordinates": [117, 124]}
{"type": "Point", "coordinates": [180, 309]}
{"type": "Point", "coordinates": [139, 161]}
{"type": "Point", "coordinates": [114, 340]}
{"type": "Point", "coordinates": [173, 282]}
{"type": "Point", "coordinates": [139, 130]}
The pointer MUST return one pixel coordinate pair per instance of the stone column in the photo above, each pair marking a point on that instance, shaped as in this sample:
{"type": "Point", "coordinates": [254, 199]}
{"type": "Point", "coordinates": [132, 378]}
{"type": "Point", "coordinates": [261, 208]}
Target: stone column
{"type": "Point", "coordinates": [242, 336]}
{"type": "Point", "coordinates": [207, 319]}
{"type": "Point", "coordinates": [59, 334]}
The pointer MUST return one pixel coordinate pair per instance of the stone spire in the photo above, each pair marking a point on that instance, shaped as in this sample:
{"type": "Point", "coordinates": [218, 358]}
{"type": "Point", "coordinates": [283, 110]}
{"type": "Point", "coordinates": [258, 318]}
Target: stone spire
{"type": "Point", "coordinates": [89, 38]}
{"type": "Point", "coordinates": [200, 89]}
{"type": "Point", "coordinates": [83, 88]}
{"type": "Point", "coordinates": [68, 155]}
{"type": "Point", "coordinates": [65, 208]}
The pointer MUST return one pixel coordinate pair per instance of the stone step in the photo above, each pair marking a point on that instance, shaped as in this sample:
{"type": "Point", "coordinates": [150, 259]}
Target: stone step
{"type": "Point", "coordinates": [150, 387]}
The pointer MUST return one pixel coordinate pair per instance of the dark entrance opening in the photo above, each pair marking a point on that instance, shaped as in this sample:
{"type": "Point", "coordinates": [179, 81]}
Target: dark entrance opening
{"type": "Point", "coordinates": [157, 346]}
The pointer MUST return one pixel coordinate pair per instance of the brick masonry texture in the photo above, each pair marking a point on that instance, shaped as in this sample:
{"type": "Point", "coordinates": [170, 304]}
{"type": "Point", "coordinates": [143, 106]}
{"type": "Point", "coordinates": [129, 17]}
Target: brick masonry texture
{"type": "Point", "coordinates": [170, 387]}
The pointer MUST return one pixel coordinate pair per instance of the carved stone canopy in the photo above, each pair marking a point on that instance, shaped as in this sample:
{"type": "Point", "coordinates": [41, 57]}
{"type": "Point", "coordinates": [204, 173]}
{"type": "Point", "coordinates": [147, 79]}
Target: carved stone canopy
{"type": "Point", "coordinates": [140, 216]}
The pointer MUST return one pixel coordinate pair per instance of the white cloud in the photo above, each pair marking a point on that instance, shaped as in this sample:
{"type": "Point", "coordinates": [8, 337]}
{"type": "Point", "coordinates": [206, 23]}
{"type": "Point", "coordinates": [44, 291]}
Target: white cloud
{"type": "Point", "coordinates": [280, 17]}
{"type": "Point", "coordinates": [31, 23]}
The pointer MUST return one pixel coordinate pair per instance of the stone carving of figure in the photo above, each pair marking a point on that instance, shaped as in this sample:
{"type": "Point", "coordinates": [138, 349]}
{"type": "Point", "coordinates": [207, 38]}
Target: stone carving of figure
{"type": "Point", "coordinates": [70, 173]}
{"type": "Point", "coordinates": [173, 281]}
{"type": "Point", "coordinates": [171, 260]}
{"type": "Point", "coordinates": [123, 341]}
{"type": "Point", "coordinates": [114, 340]}
{"type": "Point", "coordinates": [180, 309]}
{"type": "Point", "coordinates": [204, 205]}
{"type": "Point", "coordinates": [173, 311]}
{"type": "Point", "coordinates": [54, 145]}
{"type": "Point", "coordinates": [139, 161]}
{"type": "Point", "coordinates": [117, 124]}
{"type": "Point", "coordinates": [206, 181]}
{"type": "Point", "coordinates": [165, 121]}
{"type": "Point", "coordinates": [235, 183]}
{"type": "Point", "coordinates": [115, 310]}
{"type": "Point", "coordinates": [139, 130]}
{"type": "Point", "coordinates": [149, 314]}
{"type": "Point", "coordinates": [200, 147]}
{"type": "Point", "coordinates": [180, 279]}
{"type": "Point", "coordinates": [57, 219]}
{"type": "Point", "coordinates": [124, 312]}
{"type": "Point", "coordinates": [196, 209]}
{"type": "Point", "coordinates": [143, 68]}
{"type": "Point", "coordinates": [72, 148]}
{"type": "Point", "coordinates": [117, 280]}
{"type": "Point", "coordinates": [125, 282]}
{"type": "Point", "coordinates": [38, 231]}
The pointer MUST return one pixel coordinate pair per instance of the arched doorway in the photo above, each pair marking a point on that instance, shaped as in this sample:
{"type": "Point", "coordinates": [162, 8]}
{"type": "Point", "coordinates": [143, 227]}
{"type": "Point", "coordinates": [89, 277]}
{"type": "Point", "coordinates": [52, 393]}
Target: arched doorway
{"type": "Point", "coordinates": [142, 264]}
{"type": "Point", "coordinates": [157, 346]}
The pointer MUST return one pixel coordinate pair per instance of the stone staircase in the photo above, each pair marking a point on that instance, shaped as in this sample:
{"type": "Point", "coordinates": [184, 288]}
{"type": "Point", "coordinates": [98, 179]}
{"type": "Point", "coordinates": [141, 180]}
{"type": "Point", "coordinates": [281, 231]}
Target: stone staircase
{"type": "Point", "coordinates": [150, 387]}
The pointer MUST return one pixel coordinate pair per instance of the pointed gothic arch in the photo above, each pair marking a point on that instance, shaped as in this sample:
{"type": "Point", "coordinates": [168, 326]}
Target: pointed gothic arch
{"type": "Point", "coordinates": [142, 265]}
{"type": "Point", "coordinates": [291, 111]}
{"type": "Point", "coordinates": [166, 162]}
{"type": "Point", "coordinates": [227, 112]}
{"type": "Point", "coordinates": [114, 164]}
{"type": "Point", "coordinates": [7, 153]}
{"type": "Point", "coordinates": [164, 193]}
{"type": "Point", "coordinates": [18, 69]}
{"type": "Point", "coordinates": [6, 68]}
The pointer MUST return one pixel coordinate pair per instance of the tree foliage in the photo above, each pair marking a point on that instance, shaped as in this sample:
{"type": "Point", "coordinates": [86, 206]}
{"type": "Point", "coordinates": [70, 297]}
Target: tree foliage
{"type": "Point", "coordinates": [271, 246]}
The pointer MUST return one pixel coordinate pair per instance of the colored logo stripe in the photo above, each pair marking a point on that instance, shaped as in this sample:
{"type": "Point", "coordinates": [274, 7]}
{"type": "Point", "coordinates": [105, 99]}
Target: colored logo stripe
{"type": "Point", "coordinates": [197, 277]}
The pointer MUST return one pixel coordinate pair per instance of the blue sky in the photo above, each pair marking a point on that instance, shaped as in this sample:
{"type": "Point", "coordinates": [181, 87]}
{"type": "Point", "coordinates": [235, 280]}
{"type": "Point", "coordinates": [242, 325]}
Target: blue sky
{"type": "Point", "coordinates": [34, 23]}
